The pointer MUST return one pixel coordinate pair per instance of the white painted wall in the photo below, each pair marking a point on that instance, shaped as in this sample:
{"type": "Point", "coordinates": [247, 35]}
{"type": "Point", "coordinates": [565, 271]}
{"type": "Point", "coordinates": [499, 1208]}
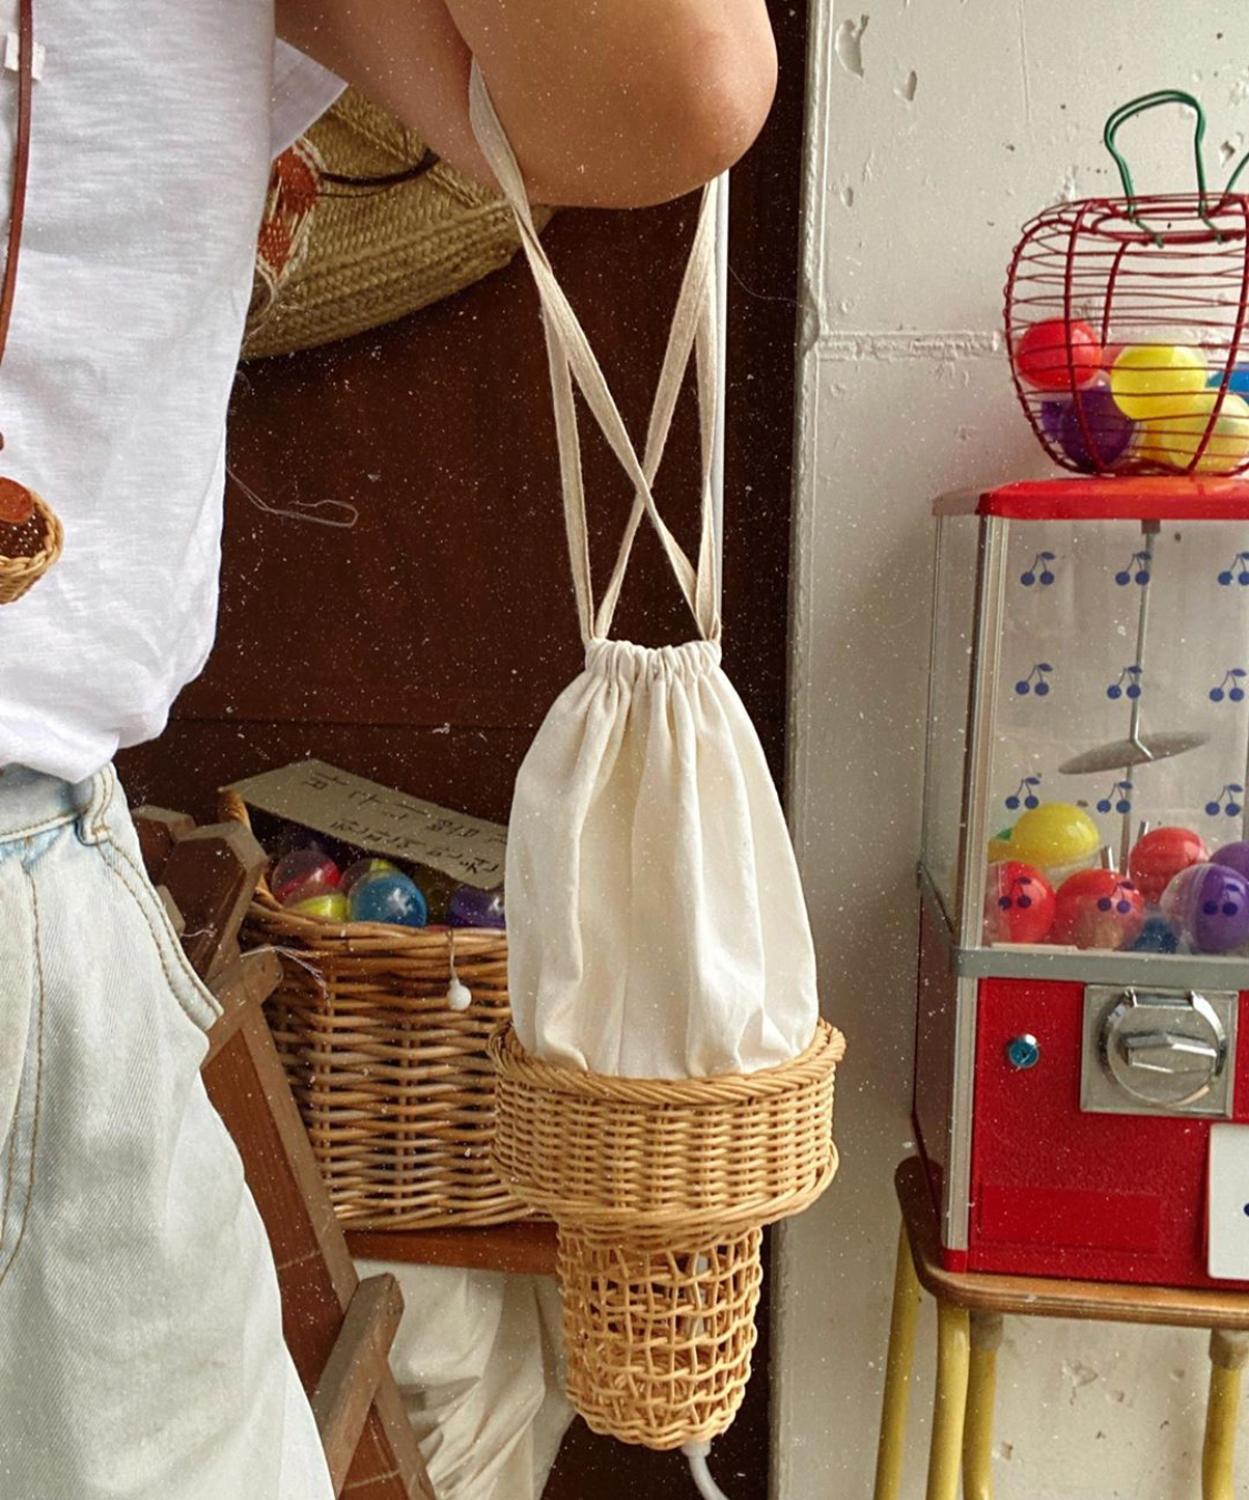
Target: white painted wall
{"type": "Point", "coordinates": [936, 128]}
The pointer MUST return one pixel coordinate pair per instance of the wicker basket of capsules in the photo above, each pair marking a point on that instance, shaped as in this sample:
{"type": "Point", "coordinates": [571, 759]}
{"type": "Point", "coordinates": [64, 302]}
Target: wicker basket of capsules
{"type": "Point", "coordinates": [394, 1083]}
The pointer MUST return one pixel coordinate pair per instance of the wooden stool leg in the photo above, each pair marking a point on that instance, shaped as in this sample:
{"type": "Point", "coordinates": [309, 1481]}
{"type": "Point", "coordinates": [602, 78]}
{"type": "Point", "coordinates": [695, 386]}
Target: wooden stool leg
{"type": "Point", "coordinates": [986, 1340]}
{"type": "Point", "coordinates": [1228, 1355]}
{"type": "Point", "coordinates": [950, 1408]}
{"type": "Point", "coordinates": [890, 1451]}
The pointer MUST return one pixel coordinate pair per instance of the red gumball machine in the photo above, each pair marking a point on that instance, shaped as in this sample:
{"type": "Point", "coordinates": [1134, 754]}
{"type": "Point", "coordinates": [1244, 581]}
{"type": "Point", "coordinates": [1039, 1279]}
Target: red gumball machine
{"type": "Point", "coordinates": [1082, 1061]}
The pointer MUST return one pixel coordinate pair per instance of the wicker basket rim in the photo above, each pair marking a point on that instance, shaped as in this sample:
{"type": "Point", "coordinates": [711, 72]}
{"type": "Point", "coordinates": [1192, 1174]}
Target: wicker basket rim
{"type": "Point", "coordinates": [825, 1051]}
{"type": "Point", "coordinates": [354, 939]}
{"type": "Point", "coordinates": [639, 1227]}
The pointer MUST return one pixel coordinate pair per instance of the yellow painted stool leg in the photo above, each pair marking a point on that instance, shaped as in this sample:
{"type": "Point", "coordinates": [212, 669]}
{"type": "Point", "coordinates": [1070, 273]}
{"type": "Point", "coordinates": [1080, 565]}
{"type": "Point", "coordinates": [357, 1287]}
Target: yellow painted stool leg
{"type": "Point", "coordinates": [891, 1449]}
{"type": "Point", "coordinates": [986, 1340]}
{"type": "Point", "coordinates": [1228, 1355]}
{"type": "Point", "coordinates": [950, 1408]}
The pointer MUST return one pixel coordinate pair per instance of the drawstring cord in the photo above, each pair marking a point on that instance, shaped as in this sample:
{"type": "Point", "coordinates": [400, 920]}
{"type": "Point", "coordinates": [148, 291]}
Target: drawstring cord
{"type": "Point", "coordinates": [459, 996]}
{"type": "Point", "coordinates": [696, 1454]}
{"type": "Point", "coordinates": [696, 1451]}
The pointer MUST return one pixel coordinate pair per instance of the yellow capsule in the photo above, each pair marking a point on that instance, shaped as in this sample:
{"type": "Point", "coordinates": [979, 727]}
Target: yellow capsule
{"type": "Point", "coordinates": [1154, 380]}
{"type": "Point", "coordinates": [1174, 440]}
{"type": "Point", "coordinates": [329, 908]}
{"type": "Point", "coordinates": [1054, 836]}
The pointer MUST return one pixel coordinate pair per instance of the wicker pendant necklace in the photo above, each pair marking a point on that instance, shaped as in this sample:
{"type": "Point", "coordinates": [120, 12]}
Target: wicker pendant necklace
{"type": "Point", "coordinates": [30, 534]}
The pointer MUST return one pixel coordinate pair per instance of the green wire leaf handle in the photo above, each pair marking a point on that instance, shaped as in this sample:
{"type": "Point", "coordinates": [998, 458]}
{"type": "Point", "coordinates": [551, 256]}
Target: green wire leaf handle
{"type": "Point", "coordinates": [1136, 107]}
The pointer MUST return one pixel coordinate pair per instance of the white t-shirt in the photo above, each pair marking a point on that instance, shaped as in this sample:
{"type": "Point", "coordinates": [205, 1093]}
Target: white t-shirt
{"type": "Point", "coordinates": [153, 126]}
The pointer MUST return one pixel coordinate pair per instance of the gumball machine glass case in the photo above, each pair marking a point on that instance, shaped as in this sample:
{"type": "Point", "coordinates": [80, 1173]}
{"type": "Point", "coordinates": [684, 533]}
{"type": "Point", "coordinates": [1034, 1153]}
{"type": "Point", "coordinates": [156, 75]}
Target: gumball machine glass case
{"type": "Point", "coordinates": [1082, 1055]}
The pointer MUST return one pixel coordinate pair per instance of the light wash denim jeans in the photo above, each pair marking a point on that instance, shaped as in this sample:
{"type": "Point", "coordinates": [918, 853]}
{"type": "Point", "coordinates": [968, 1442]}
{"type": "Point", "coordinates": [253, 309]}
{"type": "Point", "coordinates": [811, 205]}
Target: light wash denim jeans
{"type": "Point", "coordinates": [141, 1351]}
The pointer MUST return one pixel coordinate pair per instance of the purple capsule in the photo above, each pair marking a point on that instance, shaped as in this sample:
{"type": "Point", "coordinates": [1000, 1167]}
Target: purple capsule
{"type": "Point", "coordinates": [1094, 433]}
{"type": "Point", "coordinates": [1208, 904]}
{"type": "Point", "coordinates": [1234, 856]}
{"type": "Point", "coordinates": [470, 906]}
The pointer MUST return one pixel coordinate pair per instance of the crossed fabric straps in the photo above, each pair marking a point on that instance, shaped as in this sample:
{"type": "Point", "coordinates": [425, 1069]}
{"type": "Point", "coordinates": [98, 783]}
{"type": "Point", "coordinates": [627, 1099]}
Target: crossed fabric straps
{"type": "Point", "coordinates": [570, 356]}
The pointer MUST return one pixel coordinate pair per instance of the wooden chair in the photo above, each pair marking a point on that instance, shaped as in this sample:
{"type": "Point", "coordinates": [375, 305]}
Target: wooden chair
{"type": "Point", "coordinates": [339, 1329]}
{"type": "Point", "coordinates": [970, 1311]}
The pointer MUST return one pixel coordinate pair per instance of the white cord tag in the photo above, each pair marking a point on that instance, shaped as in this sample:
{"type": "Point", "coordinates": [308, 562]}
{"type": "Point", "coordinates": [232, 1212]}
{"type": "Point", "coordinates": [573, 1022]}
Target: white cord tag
{"type": "Point", "coordinates": [13, 56]}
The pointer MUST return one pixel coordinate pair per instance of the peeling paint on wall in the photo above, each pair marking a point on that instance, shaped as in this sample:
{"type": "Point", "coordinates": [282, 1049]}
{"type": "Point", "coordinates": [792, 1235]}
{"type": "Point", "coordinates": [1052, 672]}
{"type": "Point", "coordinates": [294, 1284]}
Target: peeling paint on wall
{"type": "Point", "coordinates": [849, 45]}
{"type": "Point", "coordinates": [942, 346]}
{"type": "Point", "coordinates": [909, 84]}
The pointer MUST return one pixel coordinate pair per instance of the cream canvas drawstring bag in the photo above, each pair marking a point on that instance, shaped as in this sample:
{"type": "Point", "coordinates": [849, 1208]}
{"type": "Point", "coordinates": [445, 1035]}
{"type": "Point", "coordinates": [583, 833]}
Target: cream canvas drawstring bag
{"type": "Point", "coordinates": [667, 1085]}
{"type": "Point", "coordinates": [656, 922]}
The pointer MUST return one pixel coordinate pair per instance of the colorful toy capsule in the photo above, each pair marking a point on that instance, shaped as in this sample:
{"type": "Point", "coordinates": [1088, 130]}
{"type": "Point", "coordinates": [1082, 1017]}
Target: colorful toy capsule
{"type": "Point", "coordinates": [1234, 856]}
{"type": "Point", "coordinates": [1018, 904]}
{"type": "Point", "coordinates": [1175, 440]}
{"type": "Point", "coordinates": [301, 874]}
{"type": "Point", "coordinates": [1157, 936]}
{"type": "Point", "coordinates": [1158, 857]}
{"type": "Point", "coordinates": [1237, 381]}
{"type": "Point", "coordinates": [1054, 836]}
{"type": "Point", "coordinates": [1058, 356]}
{"type": "Point", "coordinates": [1090, 429]}
{"type": "Point", "coordinates": [328, 907]}
{"type": "Point", "coordinates": [470, 906]}
{"type": "Point", "coordinates": [1208, 905]}
{"type": "Point", "coordinates": [357, 871]}
{"type": "Point", "coordinates": [1156, 380]}
{"type": "Point", "coordinates": [388, 896]}
{"type": "Point", "coordinates": [1098, 909]}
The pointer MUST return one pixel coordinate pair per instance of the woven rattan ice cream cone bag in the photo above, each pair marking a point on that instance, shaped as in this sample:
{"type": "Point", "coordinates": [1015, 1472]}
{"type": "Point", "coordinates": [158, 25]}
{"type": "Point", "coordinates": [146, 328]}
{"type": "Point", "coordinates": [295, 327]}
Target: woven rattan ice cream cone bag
{"type": "Point", "coordinates": [414, 1070]}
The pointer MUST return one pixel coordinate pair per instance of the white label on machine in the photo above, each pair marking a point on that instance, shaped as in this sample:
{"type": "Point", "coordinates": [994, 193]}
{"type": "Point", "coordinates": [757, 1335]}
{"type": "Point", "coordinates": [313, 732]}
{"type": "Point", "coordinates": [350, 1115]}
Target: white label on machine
{"type": "Point", "coordinates": [1227, 1253]}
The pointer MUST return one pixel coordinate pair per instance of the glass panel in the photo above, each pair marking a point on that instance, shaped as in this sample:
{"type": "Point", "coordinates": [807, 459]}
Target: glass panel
{"type": "Point", "coordinates": [953, 637]}
{"type": "Point", "coordinates": [1123, 703]}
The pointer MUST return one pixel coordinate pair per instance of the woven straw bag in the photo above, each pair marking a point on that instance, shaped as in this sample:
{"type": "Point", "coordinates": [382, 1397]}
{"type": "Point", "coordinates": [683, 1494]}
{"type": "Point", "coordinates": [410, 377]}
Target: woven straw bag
{"type": "Point", "coordinates": [395, 1087]}
{"type": "Point", "coordinates": [668, 1088]}
{"type": "Point", "coordinates": [28, 548]}
{"type": "Point", "coordinates": [355, 234]}
{"type": "Point", "coordinates": [659, 1189]}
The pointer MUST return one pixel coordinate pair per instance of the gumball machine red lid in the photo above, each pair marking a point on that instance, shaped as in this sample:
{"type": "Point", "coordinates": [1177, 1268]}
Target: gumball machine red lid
{"type": "Point", "coordinates": [1085, 871]}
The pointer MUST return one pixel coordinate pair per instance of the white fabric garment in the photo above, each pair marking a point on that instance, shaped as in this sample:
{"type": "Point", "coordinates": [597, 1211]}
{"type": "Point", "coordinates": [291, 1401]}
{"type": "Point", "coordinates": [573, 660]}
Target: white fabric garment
{"type": "Point", "coordinates": [477, 1363]}
{"type": "Point", "coordinates": [151, 134]}
{"type": "Point", "coordinates": [141, 1350]}
{"type": "Point", "coordinates": [656, 922]}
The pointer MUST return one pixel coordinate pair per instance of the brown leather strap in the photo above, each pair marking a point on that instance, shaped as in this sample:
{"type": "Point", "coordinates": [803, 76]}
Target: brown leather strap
{"type": "Point", "coordinates": [21, 167]}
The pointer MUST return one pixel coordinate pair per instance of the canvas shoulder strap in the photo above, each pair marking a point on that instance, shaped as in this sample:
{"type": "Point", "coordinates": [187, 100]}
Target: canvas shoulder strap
{"type": "Point", "coordinates": [571, 358]}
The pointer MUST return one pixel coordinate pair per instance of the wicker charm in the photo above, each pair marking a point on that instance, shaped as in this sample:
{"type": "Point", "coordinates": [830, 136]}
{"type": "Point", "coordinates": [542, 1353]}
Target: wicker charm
{"type": "Point", "coordinates": [660, 1189]}
{"type": "Point", "coordinates": [30, 539]}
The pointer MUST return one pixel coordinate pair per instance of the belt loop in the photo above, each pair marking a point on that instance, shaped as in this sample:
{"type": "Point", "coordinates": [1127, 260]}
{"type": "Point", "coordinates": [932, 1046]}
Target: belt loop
{"type": "Point", "coordinates": [93, 819]}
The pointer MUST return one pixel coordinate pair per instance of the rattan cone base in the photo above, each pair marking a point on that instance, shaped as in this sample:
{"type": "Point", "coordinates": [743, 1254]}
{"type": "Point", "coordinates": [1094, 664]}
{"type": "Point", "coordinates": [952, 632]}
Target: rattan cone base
{"type": "Point", "coordinates": [660, 1188]}
{"type": "Point", "coordinates": [28, 550]}
{"type": "Point", "coordinates": [658, 1342]}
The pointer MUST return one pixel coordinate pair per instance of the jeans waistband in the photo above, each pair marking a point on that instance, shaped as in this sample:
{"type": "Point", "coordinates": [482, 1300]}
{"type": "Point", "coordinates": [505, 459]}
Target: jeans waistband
{"type": "Point", "coordinates": [32, 803]}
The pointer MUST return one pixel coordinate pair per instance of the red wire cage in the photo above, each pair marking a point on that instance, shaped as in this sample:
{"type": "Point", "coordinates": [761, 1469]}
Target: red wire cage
{"type": "Point", "coordinates": [1125, 319]}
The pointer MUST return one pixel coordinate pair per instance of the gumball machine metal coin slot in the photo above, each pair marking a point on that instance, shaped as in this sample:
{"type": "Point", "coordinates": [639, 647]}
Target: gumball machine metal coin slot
{"type": "Point", "coordinates": [1158, 1052]}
